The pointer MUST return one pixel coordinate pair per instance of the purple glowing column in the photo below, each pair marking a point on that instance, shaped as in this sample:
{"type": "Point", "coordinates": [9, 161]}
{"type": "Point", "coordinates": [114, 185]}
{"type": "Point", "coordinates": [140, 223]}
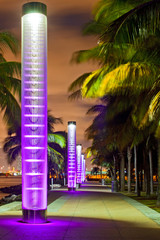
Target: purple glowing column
{"type": "Point", "coordinates": [84, 170]}
{"type": "Point", "coordinates": [71, 155]}
{"type": "Point", "coordinates": [79, 163]}
{"type": "Point", "coordinates": [83, 167]}
{"type": "Point", "coordinates": [34, 112]}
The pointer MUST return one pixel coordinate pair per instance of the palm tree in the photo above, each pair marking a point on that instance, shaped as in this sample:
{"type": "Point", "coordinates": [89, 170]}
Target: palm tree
{"type": "Point", "coordinates": [137, 25]}
{"type": "Point", "coordinates": [10, 85]}
{"type": "Point", "coordinates": [12, 143]}
{"type": "Point", "coordinates": [135, 74]}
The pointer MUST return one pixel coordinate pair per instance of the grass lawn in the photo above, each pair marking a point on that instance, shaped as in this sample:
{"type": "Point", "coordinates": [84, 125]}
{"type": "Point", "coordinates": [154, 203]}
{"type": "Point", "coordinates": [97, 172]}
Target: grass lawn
{"type": "Point", "coordinates": [150, 202]}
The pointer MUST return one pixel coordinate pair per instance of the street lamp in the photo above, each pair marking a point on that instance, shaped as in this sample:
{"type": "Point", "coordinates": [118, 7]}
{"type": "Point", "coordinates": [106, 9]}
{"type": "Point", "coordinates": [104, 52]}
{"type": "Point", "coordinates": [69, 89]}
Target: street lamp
{"type": "Point", "coordinates": [71, 155]}
{"type": "Point", "coordinates": [34, 112]}
{"type": "Point", "coordinates": [79, 164]}
{"type": "Point", "coordinates": [83, 168]}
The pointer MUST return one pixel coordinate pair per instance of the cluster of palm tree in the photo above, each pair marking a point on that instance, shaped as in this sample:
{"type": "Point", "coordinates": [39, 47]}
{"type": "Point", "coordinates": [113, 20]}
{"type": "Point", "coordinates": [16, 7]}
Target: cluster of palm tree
{"type": "Point", "coordinates": [127, 85]}
{"type": "Point", "coordinates": [56, 142]}
{"type": "Point", "coordinates": [10, 97]}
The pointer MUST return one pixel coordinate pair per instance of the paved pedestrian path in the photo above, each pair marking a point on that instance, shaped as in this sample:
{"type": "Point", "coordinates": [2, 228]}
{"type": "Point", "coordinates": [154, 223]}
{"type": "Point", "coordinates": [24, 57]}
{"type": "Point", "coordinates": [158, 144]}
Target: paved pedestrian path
{"type": "Point", "coordinates": [87, 214]}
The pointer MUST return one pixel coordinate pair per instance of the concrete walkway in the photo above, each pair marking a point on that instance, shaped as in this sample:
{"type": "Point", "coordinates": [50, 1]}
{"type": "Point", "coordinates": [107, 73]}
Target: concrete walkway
{"type": "Point", "coordinates": [87, 214]}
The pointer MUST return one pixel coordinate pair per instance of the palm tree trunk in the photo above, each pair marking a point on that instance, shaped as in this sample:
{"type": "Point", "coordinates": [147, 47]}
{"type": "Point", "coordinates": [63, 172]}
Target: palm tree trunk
{"type": "Point", "coordinates": [114, 174]}
{"type": "Point", "coordinates": [135, 167]}
{"type": "Point", "coordinates": [144, 180]}
{"type": "Point", "coordinates": [158, 190]}
{"type": "Point", "coordinates": [129, 168]}
{"type": "Point", "coordinates": [147, 172]}
{"type": "Point", "coordinates": [101, 173]}
{"type": "Point", "coordinates": [151, 171]}
{"type": "Point", "coordinates": [114, 179]}
{"type": "Point", "coordinates": [122, 173]}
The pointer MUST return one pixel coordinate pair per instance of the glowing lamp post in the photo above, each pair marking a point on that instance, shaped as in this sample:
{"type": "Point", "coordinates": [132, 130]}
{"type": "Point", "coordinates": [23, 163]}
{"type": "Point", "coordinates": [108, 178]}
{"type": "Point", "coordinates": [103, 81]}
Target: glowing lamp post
{"type": "Point", "coordinates": [71, 155]}
{"type": "Point", "coordinates": [34, 112]}
{"type": "Point", "coordinates": [83, 168]}
{"type": "Point", "coordinates": [79, 164]}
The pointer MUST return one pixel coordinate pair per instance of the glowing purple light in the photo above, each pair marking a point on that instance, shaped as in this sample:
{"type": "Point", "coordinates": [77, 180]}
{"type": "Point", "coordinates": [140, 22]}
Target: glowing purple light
{"type": "Point", "coordinates": [79, 163]}
{"type": "Point", "coordinates": [34, 108]}
{"type": "Point", "coordinates": [82, 175]}
{"type": "Point", "coordinates": [83, 168]}
{"type": "Point", "coordinates": [71, 155]}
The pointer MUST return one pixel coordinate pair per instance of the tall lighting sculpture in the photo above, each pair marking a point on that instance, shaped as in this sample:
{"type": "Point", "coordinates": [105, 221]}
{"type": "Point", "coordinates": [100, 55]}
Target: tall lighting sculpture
{"type": "Point", "coordinates": [83, 168]}
{"type": "Point", "coordinates": [79, 164]}
{"type": "Point", "coordinates": [34, 112]}
{"type": "Point", "coordinates": [71, 155]}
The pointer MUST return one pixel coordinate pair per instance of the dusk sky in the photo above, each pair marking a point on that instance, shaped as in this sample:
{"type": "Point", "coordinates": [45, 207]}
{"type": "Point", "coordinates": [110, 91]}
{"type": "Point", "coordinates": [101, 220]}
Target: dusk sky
{"type": "Point", "coordinates": [65, 21]}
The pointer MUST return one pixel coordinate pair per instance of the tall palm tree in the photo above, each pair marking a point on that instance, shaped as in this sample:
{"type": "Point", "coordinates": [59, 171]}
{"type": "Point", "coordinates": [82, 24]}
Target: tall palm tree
{"type": "Point", "coordinates": [137, 25]}
{"type": "Point", "coordinates": [136, 71]}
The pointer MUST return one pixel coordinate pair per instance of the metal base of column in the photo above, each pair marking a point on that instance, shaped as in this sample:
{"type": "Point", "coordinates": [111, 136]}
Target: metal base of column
{"type": "Point", "coordinates": [34, 216]}
{"type": "Point", "coordinates": [78, 185]}
{"type": "Point", "coordinates": [71, 189]}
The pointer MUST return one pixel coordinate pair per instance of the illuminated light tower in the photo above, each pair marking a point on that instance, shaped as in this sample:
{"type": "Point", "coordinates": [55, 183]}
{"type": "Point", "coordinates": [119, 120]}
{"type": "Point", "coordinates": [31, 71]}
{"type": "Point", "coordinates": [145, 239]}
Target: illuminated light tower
{"type": "Point", "coordinates": [34, 112]}
{"type": "Point", "coordinates": [84, 162]}
{"type": "Point", "coordinates": [71, 156]}
{"type": "Point", "coordinates": [79, 164]}
{"type": "Point", "coordinates": [82, 175]}
{"type": "Point", "coordinates": [83, 168]}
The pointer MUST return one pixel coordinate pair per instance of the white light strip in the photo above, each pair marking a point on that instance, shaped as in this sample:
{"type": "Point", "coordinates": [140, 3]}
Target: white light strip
{"type": "Point", "coordinates": [34, 174]}
{"type": "Point", "coordinates": [34, 125]}
{"type": "Point", "coordinates": [34, 136]}
{"type": "Point", "coordinates": [34, 115]}
{"type": "Point", "coordinates": [35, 106]}
{"type": "Point", "coordinates": [33, 97]}
{"type": "Point", "coordinates": [34, 160]}
{"type": "Point", "coordinates": [33, 147]}
{"type": "Point", "coordinates": [34, 89]}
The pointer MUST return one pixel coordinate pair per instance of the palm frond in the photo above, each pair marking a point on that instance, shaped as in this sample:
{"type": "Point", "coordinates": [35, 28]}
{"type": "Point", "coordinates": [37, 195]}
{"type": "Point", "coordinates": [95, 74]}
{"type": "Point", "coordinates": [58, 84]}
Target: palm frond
{"type": "Point", "coordinates": [52, 121]}
{"type": "Point", "coordinates": [90, 151]}
{"type": "Point", "coordinates": [93, 54]}
{"type": "Point", "coordinates": [8, 40]}
{"type": "Point", "coordinates": [9, 106]}
{"type": "Point", "coordinates": [108, 11]}
{"type": "Point", "coordinates": [55, 156]}
{"type": "Point", "coordinates": [96, 109]}
{"type": "Point", "coordinates": [57, 138]}
{"type": "Point", "coordinates": [93, 28]}
{"type": "Point", "coordinates": [14, 84]}
{"type": "Point", "coordinates": [153, 112]}
{"type": "Point", "coordinates": [130, 77]}
{"type": "Point", "coordinates": [120, 104]}
{"type": "Point", "coordinates": [9, 142]}
{"type": "Point", "coordinates": [75, 95]}
{"type": "Point", "coordinates": [91, 83]}
{"type": "Point", "coordinates": [13, 153]}
{"type": "Point", "coordinates": [134, 25]}
{"type": "Point", "coordinates": [78, 82]}
{"type": "Point", "coordinates": [10, 69]}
